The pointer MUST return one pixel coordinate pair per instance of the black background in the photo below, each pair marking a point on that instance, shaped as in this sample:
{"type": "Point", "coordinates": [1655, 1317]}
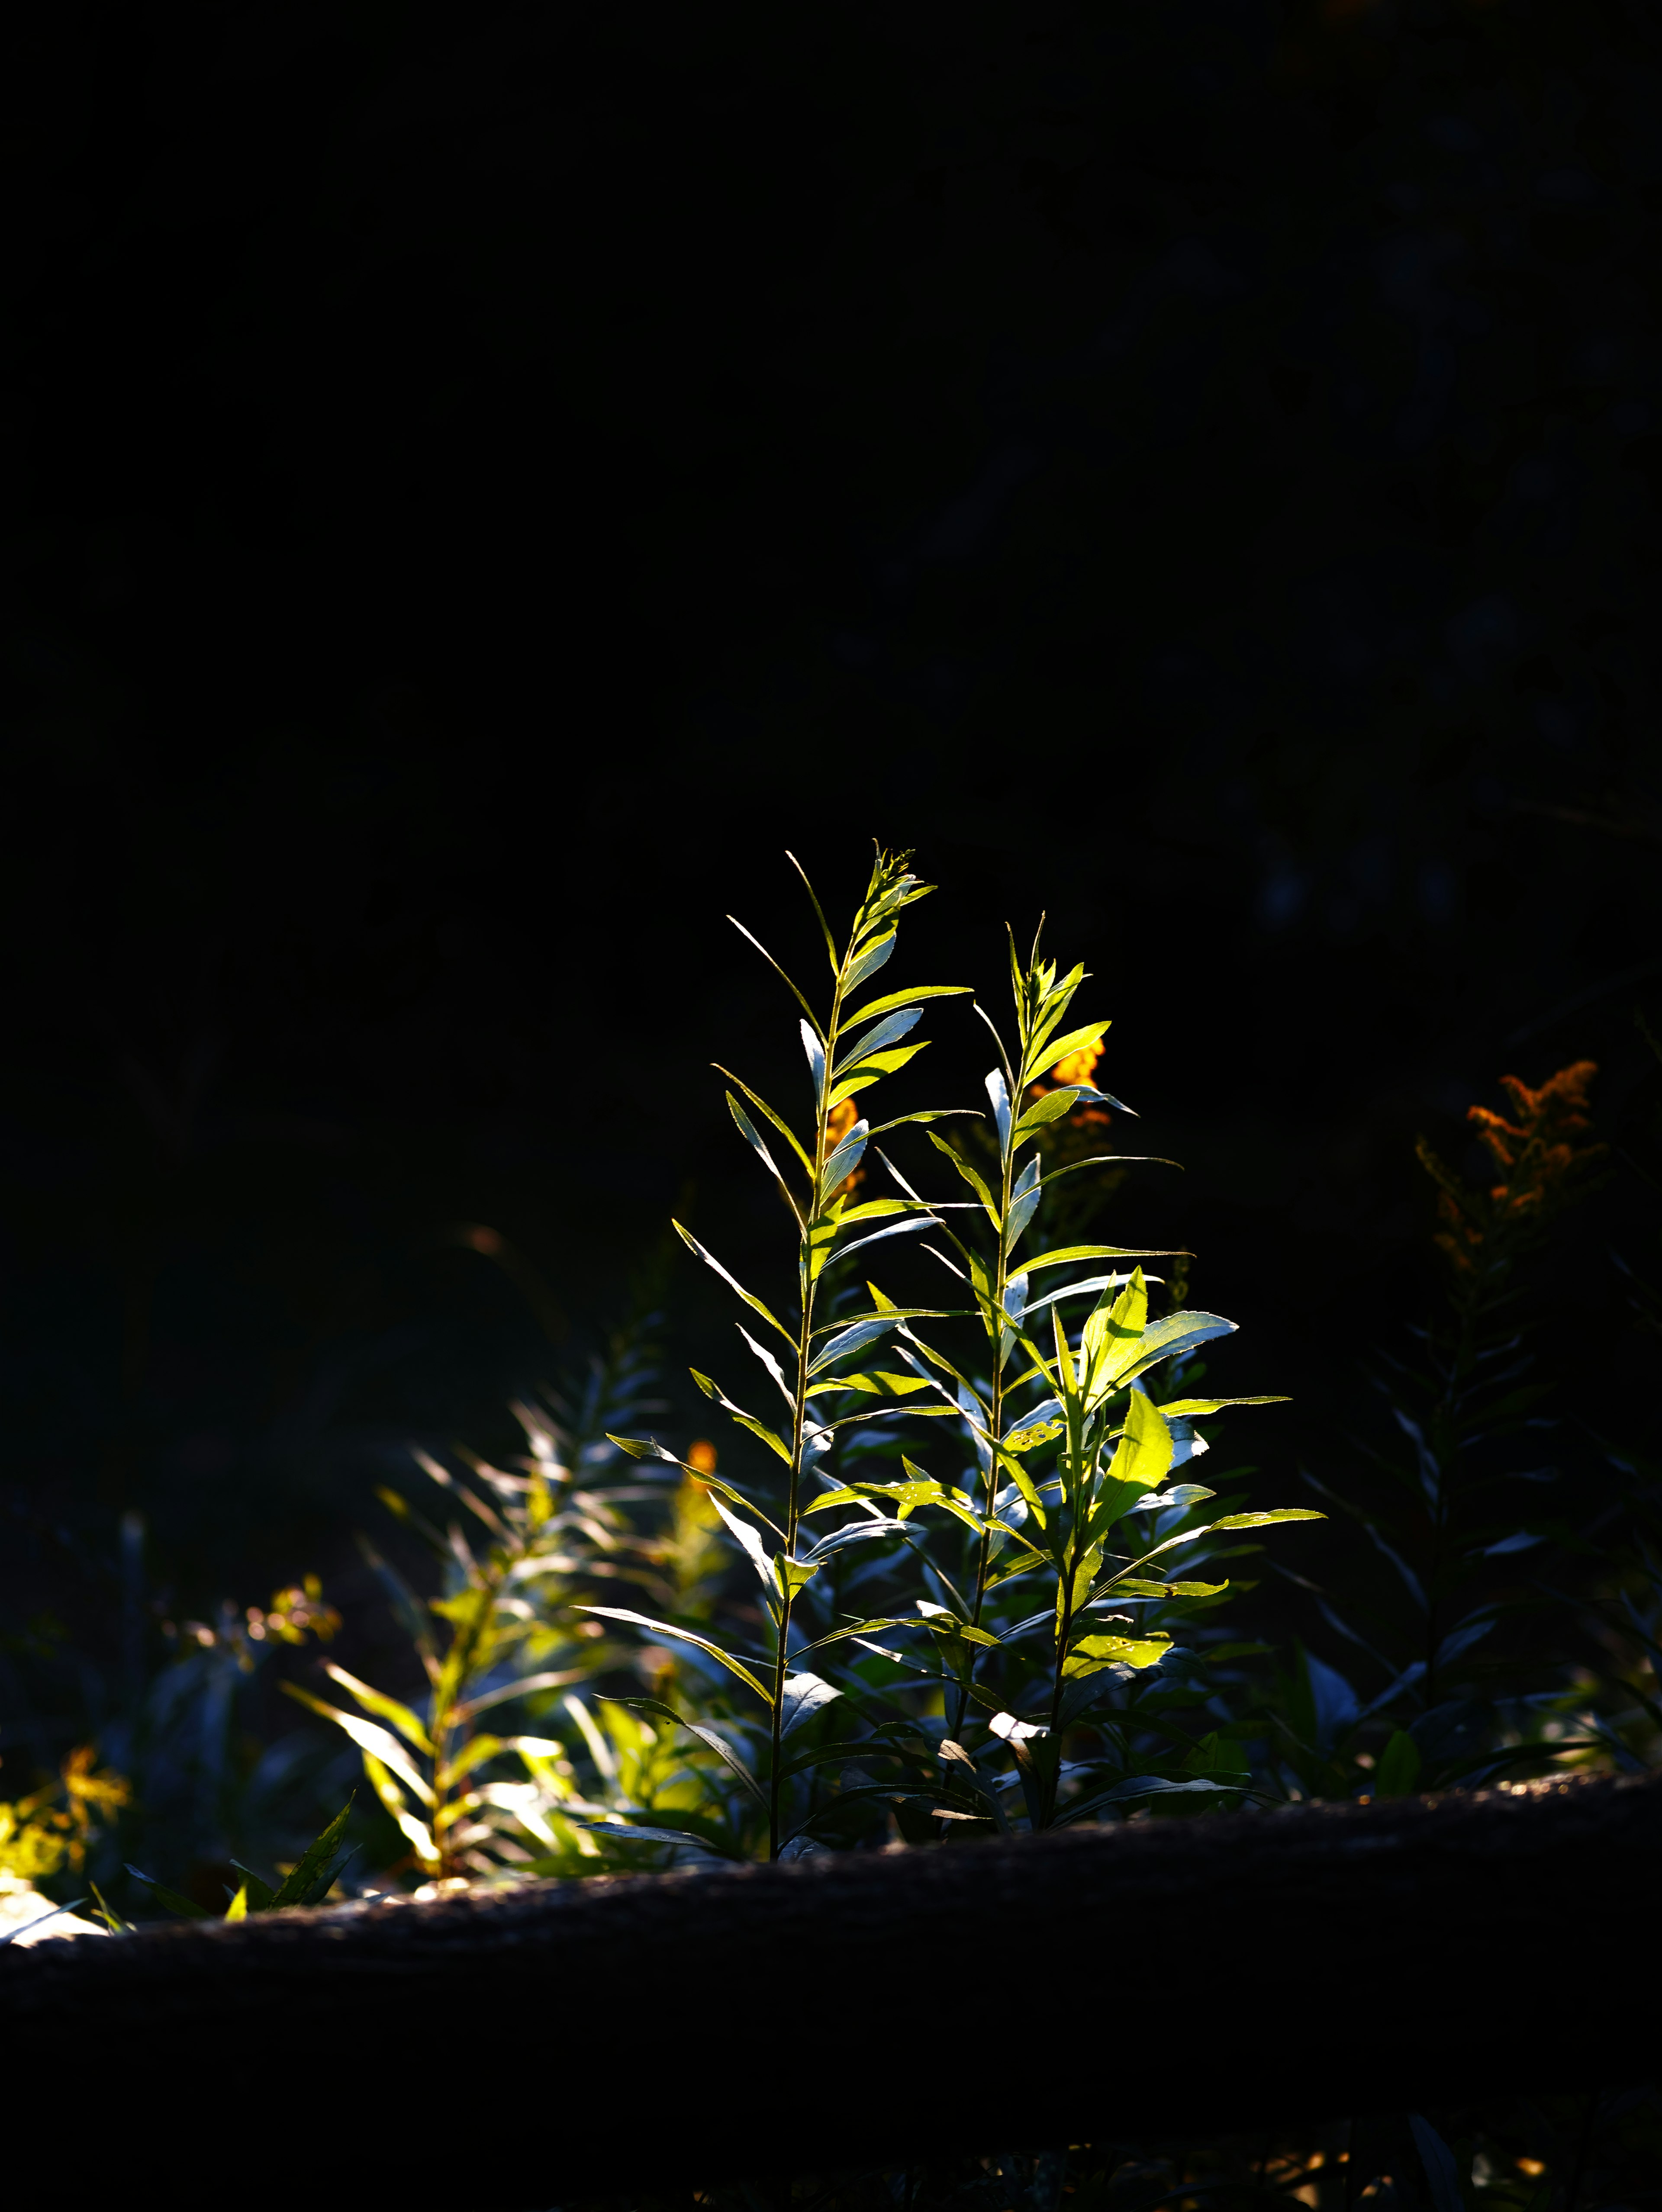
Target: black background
{"type": "Point", "coordinates": [480, 481]}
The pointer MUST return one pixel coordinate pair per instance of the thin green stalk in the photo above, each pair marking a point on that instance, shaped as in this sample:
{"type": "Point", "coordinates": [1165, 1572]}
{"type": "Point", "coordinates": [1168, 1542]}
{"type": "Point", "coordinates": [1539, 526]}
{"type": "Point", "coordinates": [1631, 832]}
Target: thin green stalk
{"type": "Point", "coordinates": [995, 1425]}
{"type": "Point", "coordinates": [799, 1414]}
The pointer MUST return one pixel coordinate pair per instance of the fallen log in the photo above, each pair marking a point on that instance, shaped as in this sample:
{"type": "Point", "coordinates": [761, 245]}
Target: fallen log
{"type": "Point", "coordinates": [1160, 1977]}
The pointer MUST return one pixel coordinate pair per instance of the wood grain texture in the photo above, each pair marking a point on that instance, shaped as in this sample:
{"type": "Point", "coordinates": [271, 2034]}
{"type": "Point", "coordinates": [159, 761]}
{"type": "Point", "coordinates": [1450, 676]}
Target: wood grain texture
{"type": "Point", "coordinates": [1197, 1976]}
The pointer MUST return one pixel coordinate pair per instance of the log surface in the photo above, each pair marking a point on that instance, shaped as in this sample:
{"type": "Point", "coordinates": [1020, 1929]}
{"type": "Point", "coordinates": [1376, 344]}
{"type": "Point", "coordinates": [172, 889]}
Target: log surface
{"type": "Point", "coordinates": [1159, 1976]}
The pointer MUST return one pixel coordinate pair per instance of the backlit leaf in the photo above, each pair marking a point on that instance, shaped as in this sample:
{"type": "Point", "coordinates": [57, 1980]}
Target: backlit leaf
{"type": "Point", "coordinates": [732, 1281]}
{"type": "Point", "coordinates": [389, 1709]}
{"type": "Point", "coordinates": [683, 1636]}
{"type": "Point", "coordinates": [907, 998]}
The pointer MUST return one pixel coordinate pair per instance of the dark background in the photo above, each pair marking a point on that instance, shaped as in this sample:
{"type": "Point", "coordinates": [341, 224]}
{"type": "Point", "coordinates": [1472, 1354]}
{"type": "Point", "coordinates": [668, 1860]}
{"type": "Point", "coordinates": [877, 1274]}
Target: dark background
{"type": "Point", "coordinates": [480, 481]}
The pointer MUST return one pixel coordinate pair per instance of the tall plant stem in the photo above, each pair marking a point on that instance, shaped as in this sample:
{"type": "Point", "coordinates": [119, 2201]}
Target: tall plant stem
{"type": "Point", "coordinates": [799, 1410]}
{"type": "Point", "coordinates": [996, 1423]}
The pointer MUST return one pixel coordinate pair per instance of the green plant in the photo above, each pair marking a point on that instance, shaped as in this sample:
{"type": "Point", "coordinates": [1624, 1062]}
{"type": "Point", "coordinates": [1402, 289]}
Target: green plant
{"type": "Point", "coordinates": [1088, 1451]}
{"type": "Point", "coordinates": [818, 1187]}
{"type": "Point", "coordinates": [1453, 1522]}
{"type": "Point", "coordinates": [1071, 1451]}
{"type": "Point", "coordinates": [503, 1617]}
{"type": "Point", "coordinates": [308, 1883]}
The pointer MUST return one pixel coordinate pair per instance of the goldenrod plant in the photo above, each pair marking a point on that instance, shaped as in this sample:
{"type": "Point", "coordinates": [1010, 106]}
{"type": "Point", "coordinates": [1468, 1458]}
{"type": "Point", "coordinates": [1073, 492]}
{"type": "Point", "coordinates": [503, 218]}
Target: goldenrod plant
{"type": "Point", "coordinates": [1068, 1441]}
{"type": "Point", "coordinates": [518, 1546]}
{"type": "Point", "coordinates": [828, 1352]}
{"type": "Point", "coordinates": [48, 1831]}
{"type": "Point", "coordinates": [1071, 1454]}
{"type": "Point", "coordinates": [1469, 1508]}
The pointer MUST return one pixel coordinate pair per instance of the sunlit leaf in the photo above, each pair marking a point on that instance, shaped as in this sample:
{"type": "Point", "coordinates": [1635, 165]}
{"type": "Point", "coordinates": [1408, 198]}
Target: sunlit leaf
{"type": "Point", "coordinates": [750, 1543]}
{"type": "Point", "coordinates": [873, 958]}
{"type": "Point", "coordinates": [1096, 1252]}
{"type": "Point", "coordinates": [804, 1695]}
{"type": "Point", "coordinates": [907, 998]}
{"type": "Point", "coordinates": [389, 1709]}
{"type": "Point", "coordinates": [733, 1283]}
{"type": "Point", "coordinates": [878, 1039]}
{"type": "Point", "coordinates": [999, 1093]}
{"type": "Point", "coordinates": [1264, 1519]}
{"type": "Point", "coordinates": [1059, 1049]}
{"type": "Point", "coordinates": [1192, 1408]}
{"type": "Point", "coordinates": [776, 969]}
{"type": "Point", "coordinates": [763, 1108]}
{"type": "Point", "coordinates": [841, 1163]}
{"type": "Point", "coordinates": [683, 1636]}
{"type": "Point", "coordinates": [1050, 1107]}
{"type": "Point", "coordinates": [1090, 1653]}
{"type": "Point", "coordinates": [769, 1437]}
{"type": "Point", "coordinates": [368, 1737]}
{"type": "Point", "coordinates": [746, 1129]}
{"type": "Point", "coordinates": [968, 1174]}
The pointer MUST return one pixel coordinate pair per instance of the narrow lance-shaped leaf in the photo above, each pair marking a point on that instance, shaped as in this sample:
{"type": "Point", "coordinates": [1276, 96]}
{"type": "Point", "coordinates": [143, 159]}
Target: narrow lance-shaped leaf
{"type": "Point", "coordinates": [747, 1130]}
{"type": "Point", "coordinates": [722, 1749]}
{"type": "Point", "coordinates": [389, 1709]}
{"type": "Point", "coordinates": [368, 1737]}
{"type": "Point", "coordinates": [732, 1282]}
{"type": "Point", "coordinates": [684, 1635]}
{"type": "Point", "coordinates": [751, 1544]}
{"type": "Point", "coordinates": [776, 969]}
{"type": "Point", "coordinates": [904, 998]}
{"type": "Point", "coordinates": [886, 1033]}
{"type": "Point", "coordinates": [769, 1437]}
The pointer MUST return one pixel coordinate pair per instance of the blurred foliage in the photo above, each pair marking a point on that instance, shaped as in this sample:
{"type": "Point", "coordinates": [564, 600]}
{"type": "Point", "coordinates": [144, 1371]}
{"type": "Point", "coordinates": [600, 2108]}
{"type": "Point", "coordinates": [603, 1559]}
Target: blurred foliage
{"type": "Point", "coordinates": [49, 1829]}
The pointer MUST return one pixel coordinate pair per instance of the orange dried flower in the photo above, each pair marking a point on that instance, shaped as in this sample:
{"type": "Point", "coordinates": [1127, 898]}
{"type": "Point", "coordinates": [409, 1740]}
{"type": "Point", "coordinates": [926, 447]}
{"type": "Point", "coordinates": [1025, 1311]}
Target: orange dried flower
{"type": "Point", "coordinates": [1538, 1155]}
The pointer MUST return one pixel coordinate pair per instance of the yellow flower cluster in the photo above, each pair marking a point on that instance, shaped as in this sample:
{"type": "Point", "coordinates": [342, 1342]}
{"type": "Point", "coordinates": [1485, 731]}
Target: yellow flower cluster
{"type": "Point", "coordinates": [38, 1836]}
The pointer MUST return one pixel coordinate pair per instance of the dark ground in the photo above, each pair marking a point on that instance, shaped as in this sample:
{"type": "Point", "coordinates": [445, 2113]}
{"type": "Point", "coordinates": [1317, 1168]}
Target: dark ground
{"type": "Point", "coordinates": [484, 480]}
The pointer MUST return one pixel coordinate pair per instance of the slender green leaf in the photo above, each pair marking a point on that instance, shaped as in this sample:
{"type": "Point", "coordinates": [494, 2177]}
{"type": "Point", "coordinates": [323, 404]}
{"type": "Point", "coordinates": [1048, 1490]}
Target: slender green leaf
{"type": "Point", "coordinates": [300, 1886]}
{"type": "Point", "coordinates": [819, 915]}
{"type": "Point", "coordinates": [763, 1108]}
{"type": "Point", "coordinates": [747, 1130]}
{"type": "Point", "coordinates": [776, 969]}
{"type": "Point", "coordinates": [722, 1749]}
{"type": "Point", "coordinates": [389, 1709]}
{"type": "Point", "coordinates": [627, 1830]}
{"type": "Point", "coordinates": [1057, 1048]}
{"type": "Point", "coordinates": [873, 958]}
{"type": "Point", "coordinates": [1190, 1409]}
{"type": "Point", "coordinates": [751, 1544]}
{"type": "Point", "coordinates": [1264, 1519]}
{"type": "Point", "coordinates": [368, 1737]}
{"type": "Point", "coordinates": [907, 998]}
{"type": "Point", "coordinates": [186, 1908]}
{"type": "Point", "coordinates": [259, 1893]}
{"type": "Point", "coordinates": [683, 1636]}
{"type": "Point", "coordinates": [1050, 1107]}
{"type": "Point", "coordinates": [1094, 1252]}
{"type": "Point", "coordinates": [732, 1281]}
{"type": "Point", "coordinates": [769, 1437]}
{"type": "Point", "coordinates": [886, 1033]}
